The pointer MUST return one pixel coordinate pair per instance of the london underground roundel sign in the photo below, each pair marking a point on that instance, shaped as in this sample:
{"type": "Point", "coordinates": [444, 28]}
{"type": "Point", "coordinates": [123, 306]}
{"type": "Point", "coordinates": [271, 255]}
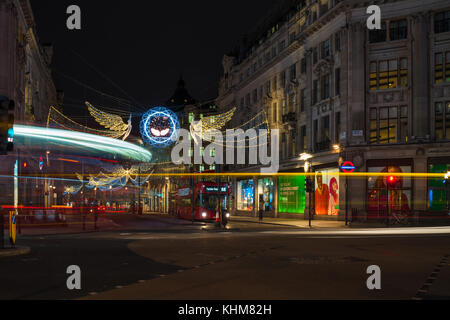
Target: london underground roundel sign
{"type": "Point", "coordinates": [348, 167]}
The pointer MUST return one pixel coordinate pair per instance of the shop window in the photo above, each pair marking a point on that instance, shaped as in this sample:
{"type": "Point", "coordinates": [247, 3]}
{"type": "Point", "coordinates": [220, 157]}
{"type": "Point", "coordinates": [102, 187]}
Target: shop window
{"type": "Point", "coordinates": [326, 195]}
{"type": "Point", "coordinates": [245, 195]}
{"type": "Point", "coordinates": [442, 120]}
{"type": "Point", "coordinates": [291, 194]}
{"type": "Point", "coordinates": [438, 189]}
{"type": "Point", "coordinates": [398, 30]}
{"type": "Point", "coordinates": [396, 196]}
{"type": "Point", "coordinates": [442, 22]}
{"type": "Point", "coordinates": [266, 190]}
{"type": "Point", "coordinates": [376, 36]}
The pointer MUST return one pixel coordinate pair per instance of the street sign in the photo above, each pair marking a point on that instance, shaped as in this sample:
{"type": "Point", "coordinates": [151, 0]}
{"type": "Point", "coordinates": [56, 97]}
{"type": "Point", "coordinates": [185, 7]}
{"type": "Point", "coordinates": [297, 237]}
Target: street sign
{"type": "Point", "coordinates": [348, 167]}
{"type": "Point", "coordinates": [12, 227]}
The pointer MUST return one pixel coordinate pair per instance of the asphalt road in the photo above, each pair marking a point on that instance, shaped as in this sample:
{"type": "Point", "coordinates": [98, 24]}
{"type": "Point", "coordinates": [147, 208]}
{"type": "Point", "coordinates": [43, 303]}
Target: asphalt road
{"type": "Point", "coordinates": [158, 258]}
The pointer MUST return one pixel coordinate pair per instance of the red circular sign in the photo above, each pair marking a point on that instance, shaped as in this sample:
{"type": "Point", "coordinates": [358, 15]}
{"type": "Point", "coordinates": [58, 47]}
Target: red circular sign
{"type": "Point", "coordinates": [348, 167]}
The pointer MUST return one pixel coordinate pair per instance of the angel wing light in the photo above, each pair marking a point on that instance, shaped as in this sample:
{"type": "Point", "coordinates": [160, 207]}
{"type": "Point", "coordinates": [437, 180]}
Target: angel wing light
{"type": "Point", "coordinates": [111, 121]}
{"type": "Point", "coordinates": [202, 129]}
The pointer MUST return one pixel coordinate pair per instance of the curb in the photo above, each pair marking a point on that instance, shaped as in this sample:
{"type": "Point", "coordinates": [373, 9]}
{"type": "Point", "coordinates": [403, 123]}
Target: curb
{"type": "Point", "coordinates": [18, 251]}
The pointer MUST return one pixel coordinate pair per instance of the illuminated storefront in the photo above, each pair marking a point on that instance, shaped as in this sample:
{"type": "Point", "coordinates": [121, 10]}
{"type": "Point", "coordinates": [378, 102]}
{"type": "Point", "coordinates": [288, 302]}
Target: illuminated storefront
{"type": "Point", "coordinates": [326, 194]}
{"type": "Point", "coordinates": [266, 189]}
{"type": "Point", "coordinates": [291, 194]}
{"type": "Point", "coordinates": [245, 195]}
{"type": "Point", "coordinates": [438, 188]}
{"type": "Point", "coordinates": [383, 193]}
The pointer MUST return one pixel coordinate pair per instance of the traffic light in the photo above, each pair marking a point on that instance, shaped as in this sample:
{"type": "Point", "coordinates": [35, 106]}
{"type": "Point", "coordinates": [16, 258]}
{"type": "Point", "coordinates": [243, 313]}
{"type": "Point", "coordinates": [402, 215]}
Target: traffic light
{"type": "Point", "coordinates": [392, 181]}
{"type": "Point", "coordinates": [309, 185]}
{"type": "Point", "coordinates": [6, 125]}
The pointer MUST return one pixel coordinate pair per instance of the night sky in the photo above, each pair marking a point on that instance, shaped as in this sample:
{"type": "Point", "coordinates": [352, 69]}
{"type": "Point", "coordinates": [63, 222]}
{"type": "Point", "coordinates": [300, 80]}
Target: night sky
{"type": "Point", "coordinates": [142, 47]}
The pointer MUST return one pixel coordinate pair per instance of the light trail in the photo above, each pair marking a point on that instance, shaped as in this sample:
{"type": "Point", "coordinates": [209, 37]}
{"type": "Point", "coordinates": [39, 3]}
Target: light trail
{"type": "Point", "coordinates": [83, 140]}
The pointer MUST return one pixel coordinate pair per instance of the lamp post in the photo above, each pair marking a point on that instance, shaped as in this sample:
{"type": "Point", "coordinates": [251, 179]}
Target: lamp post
{"type": "Point", "coordinates": [307, 166]}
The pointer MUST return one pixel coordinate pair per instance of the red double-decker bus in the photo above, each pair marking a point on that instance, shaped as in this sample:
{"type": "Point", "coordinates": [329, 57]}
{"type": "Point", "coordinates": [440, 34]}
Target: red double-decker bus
{"type": "Point", "coordinates": [208, 196]}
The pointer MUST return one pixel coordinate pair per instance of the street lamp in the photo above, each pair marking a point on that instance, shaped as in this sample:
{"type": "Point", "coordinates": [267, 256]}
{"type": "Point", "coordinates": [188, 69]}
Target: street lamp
{"type": "Point", "coordinates": [307, 165]}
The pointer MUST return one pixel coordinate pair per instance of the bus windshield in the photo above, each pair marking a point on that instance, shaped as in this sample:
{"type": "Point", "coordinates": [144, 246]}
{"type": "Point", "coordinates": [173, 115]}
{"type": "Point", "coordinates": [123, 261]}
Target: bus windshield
{"type": "Point", "coordinates": [210, 201]}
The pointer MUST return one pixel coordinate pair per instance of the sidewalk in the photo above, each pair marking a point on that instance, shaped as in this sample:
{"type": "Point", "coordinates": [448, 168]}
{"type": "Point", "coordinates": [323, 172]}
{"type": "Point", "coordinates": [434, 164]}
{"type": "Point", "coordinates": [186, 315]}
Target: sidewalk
{"type": "Point", "coordinates": [12, 252]}
{"type": "Point", "coordinates": [315, 224]}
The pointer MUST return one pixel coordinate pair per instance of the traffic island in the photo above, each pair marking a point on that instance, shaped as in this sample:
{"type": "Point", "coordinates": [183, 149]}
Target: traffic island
{"type": "Point", "coordinates": [12, 252]}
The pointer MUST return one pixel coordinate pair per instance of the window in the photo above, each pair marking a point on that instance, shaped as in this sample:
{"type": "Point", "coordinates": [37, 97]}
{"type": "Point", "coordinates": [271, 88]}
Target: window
{"type": "Point", "coordinates": [442, 22]}
{"type": "Point", "coordinates": [376, 36]}
{"type": "Point", "coordinates": [325, 49]}
{"type": "Point", "coordinates": [388, 74]}
{"type": "Point", "coordinates": [326, 129]}
{"type": "Point", "coordinates": [303, 66]}
{"type": "Point", "coordinates": [293, 72]}
{"type": "Point", "coordinates": [275, 112]}
{"type": "Point", "coordinates": [283, 79]}
{"type": "Point", "coordinates": [337, 126]}
{"type": "Point", "coordinates": [337, 42]}
{"type": "Point", "coordinates": [292, 37]}
{"type": "Point", "coordinates": [303, 100]}
{"type": "Point", "coordinates": [441, 70]}
{"type": "Point", "coordinates": [315, 92]}
{"type": "Point", "coordinates": [389, 125]}
{"type": "Point", "coordinates": [255, 95]}
{"type": "Point", "coordinates": [398, 30]}
{"type": "Point", "coordinates": [284, 105]}
{"type": "Point", "coordinates": [247, 100]}
{"type": "Point", "coordinates": [337, 82]}
{"type": "Point", "coordinates": [315, 56]}
{"type": "Point", "coordinates": [275, 84]}
{"type": "Point", "coordinates": [304, 139]}
{"type": "Point", "coordinates": [325, 87]}
{"type": "Point", "coordinates": [274, 52]}
{"type": "Point", "coordinates": [255, 66]}
{"type": "Point", "coordinates": [282, 45]}
{"type": "Point", "coordinates": [242, 102]}
{"type": "Point", "coordinates": [191, 117]}
{"type": "Point", "coordinates": [268, 87]}
{"type": "Point", "coordinates": [316, 131]}
{"type": "Point", "coordinates": [442, 120]}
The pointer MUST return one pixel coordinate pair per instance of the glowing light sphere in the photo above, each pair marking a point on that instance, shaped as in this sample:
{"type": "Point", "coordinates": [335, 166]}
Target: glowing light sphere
{"type": "Point", "coordinates": [160, 127]}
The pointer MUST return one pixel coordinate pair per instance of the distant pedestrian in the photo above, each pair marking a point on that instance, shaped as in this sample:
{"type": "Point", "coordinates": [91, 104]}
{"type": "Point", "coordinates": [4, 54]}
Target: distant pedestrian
{"type": "Point", "coordinates": [261, 208]}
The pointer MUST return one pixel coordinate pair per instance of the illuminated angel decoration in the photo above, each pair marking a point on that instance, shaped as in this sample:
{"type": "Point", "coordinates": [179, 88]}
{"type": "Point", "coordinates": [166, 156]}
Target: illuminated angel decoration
{"type": "Point", "coordinates": [111, 121]}
{"type": "Point", "coordinates": [205, 128]}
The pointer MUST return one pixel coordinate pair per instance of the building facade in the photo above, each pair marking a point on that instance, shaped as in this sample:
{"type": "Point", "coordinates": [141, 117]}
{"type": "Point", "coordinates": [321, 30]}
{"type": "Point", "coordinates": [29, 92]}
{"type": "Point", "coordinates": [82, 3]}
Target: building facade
{"type": "Point", "coordinates": [25, 77]}
{"type": "Point", "coordinates": [341, 92]}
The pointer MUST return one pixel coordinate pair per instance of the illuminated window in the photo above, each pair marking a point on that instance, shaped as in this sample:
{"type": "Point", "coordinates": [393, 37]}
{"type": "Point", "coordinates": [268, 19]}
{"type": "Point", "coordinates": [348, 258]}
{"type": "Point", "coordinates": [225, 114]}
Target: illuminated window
{"type": "Point", "coordinates": [438, 68]}
{"type": "Point", "coordinates": [388, 125]}
{"type": "Point", "coordinates": [212, 153]}
{"type": "Point", "coordinates": [439, 120]}
{"type": "Point", "coordinates": [389, 75]}
{"type": "Point", "coordinates": [373, 76]}
{"type": "Point", "coordinates": [447, 67]}
{"type": "Point", "coordinates": [191, 117]}
{"type": "Point", "coordinates": [393, 74]}
{"type": "Point", "coordinates": [212, 167]}
{"type": "Point", "coordinates": [442, 120]}
{"type": "Point", "coordinates": [403, 72]}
